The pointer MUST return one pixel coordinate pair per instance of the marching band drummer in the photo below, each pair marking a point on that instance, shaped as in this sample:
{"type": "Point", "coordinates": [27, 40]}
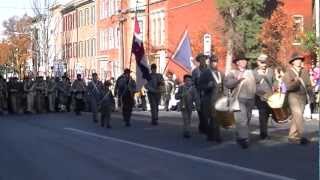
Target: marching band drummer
{"type": "Point", "coordinates": [298, 86]}
{"type": "Point", "coordinates": [264, 89]}
{"type": "Point", "coordinates": [243, 81]}
{"type": "Point", "coordinates": [211, 85]}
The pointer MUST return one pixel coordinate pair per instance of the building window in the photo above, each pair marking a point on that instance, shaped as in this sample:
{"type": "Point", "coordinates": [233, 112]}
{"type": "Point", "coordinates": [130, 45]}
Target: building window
{"type": "Point", "coordinates": [154, 30]}
{"type": "Point", "coordinates": [88, 48]}
{"type": "Point", "coordinates": [93, 15]}
{"type": "Point", "coordinates": [85, 49]}
{"type": "Point", "coordinates": [297, 28]}
{"type": "Point", "coordinates": [75, 20]}
{"type": "Point", "coordinates": [81, 48]}
{"type": "Point", "coordinates": [103, 40]}
{"type": "Point", "coordinates": [103, 9]}
{"type": "Point", "coordinates": [159, 31]}
{"type": "Point", "coordinates": [163, 31]}
{"type": "Point", "coordinates": [110, 38]}
{"type": "Point", "coordinates": [64, 23]}
{"type": "Point", "coordinates": [75, 49]}
{"type": "Point", "coordinates": [94, 46]}
{"type": "Point", "coordinates": [81, 18]}
{"type": "Point", "coordinates": [158, 28]}
{"type": "Point", "coordinates": [109, 8]}
{"type": "Point", "coordinates": [87, 22]}
{"type": "Point", "coordinates": [69, 50]}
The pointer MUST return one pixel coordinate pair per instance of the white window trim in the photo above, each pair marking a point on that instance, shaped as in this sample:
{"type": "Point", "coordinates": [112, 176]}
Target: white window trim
{"type": "Point", "coordinates": [302, 26]}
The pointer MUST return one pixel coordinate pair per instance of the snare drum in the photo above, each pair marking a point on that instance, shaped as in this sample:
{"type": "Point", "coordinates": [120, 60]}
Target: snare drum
{"type": "Point", "coordinates": [280, 115]}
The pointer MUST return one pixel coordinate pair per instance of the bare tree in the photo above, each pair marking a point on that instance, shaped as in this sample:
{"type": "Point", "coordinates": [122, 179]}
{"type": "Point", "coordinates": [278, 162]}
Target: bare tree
{"type": "Point", "coordinates": [43, 20]}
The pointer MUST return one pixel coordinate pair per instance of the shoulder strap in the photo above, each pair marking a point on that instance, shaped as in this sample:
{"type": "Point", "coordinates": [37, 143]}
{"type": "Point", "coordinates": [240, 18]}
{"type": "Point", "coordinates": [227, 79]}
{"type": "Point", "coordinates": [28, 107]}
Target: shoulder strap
{"type": "Point", "coordinates": [216, 77]}
{"type": "Point", "coordinates": [303, 85]}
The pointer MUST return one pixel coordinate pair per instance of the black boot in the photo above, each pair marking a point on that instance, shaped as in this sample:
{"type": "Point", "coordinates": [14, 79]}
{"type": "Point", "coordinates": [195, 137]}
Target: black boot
{"type": "Point", "coordinates": [243, 143]}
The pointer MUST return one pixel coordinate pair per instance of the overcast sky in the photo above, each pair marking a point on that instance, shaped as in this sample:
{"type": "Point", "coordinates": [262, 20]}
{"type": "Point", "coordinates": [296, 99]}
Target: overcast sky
{"type": "Point", "coordinates": [9, 8]}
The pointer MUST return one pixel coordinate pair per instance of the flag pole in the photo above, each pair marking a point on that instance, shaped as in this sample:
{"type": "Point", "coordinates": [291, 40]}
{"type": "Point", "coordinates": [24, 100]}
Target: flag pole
{"type": "Point", "coordinates": [135, 16]}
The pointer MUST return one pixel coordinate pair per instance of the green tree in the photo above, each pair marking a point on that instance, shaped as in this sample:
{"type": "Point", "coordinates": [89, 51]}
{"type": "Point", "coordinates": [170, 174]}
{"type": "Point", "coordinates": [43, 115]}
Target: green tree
{"type": "Point", "coordinates": [311, 44]}
{"type": "Point", "coordinates": [243, 20]}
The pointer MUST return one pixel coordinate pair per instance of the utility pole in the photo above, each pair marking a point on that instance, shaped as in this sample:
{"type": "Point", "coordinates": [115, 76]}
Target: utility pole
{"type": "Point", "coordinates": [148, 30]}
{"type": "Point", "coordinates": [122, 20]}
{"type": "Point", "coordinates": [317, 14]}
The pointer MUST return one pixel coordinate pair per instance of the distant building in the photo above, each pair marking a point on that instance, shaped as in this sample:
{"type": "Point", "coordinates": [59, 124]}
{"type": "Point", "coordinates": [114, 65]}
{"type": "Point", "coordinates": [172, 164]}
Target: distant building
{"type": "Point", "coordinates": [79, 38]}
{"type": "Point", "coordinates": [56, 59]}
{"type": "Point", "coordinates": [97, 35]}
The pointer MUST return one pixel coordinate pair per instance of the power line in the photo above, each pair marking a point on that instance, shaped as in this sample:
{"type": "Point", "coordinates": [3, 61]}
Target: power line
{"type": "Point", "coordinates": [23, 8]}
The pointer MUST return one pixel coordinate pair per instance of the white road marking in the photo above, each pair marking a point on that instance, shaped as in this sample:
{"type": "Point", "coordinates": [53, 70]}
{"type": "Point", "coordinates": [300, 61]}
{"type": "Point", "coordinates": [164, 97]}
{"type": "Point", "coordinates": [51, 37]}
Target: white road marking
{"type": "Point", "coordinates": [187, 156]}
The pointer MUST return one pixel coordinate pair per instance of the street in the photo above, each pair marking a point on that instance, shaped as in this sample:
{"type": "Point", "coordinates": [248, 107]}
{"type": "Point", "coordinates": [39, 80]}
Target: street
{"type": "Point", "coordinates": [64, 146]}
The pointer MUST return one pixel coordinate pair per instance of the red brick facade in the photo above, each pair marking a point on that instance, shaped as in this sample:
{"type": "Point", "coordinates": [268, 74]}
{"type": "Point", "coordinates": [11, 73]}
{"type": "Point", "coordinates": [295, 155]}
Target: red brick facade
{"type": "Point", "coordinates": [169, 19]}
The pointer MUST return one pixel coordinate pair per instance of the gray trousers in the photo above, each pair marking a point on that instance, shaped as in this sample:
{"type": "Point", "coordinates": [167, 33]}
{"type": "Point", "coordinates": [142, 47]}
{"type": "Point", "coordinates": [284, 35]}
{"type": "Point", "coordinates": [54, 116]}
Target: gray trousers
{"type": "Point", "coordinates": [154, 100]}
{"type": "Point", "coordinates": [297, 105]}
{"type": "Point", "coordinates": [105, 117]}
{"type": "Point", "coordinates": [51, 102]}
{"type": "Point", "coordinates": [3, 101]}
{"type": "Point", "coordinates": [186, 116]}
{"type": "Point", "coordinates": [30, 101]}
{"type": "Point", "coordinates": [94, 109]}
{"type": "Point", "coordinates": [243, 117]}
{"type": "Point", "coordinates": [14, 103]}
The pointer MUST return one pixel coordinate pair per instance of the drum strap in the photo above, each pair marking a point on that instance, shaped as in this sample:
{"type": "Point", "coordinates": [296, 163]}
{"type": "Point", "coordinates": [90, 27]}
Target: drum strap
{"type": "Point", "coordinates": [303, 84]}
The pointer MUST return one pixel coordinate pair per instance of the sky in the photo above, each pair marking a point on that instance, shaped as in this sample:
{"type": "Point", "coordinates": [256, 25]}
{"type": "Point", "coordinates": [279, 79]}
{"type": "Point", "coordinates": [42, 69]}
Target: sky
{"type": "Point", "coordinates": [9, 8]}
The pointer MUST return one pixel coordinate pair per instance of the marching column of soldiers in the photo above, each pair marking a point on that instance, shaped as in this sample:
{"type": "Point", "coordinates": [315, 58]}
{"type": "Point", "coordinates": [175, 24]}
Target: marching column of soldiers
{"type": "Point", "coordinates": [203, 90]}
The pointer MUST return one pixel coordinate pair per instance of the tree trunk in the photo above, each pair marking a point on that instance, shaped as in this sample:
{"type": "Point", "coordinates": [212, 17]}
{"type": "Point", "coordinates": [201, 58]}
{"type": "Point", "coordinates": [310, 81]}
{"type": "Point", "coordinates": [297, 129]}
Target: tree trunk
{"type": "Point", "coordinates": [228, 63]}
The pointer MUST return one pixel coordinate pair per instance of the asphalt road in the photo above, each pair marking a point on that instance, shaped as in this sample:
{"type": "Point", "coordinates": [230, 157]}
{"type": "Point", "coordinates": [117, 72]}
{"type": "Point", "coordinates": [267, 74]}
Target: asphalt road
{"type": "Point", "coordinates": [68, 147]}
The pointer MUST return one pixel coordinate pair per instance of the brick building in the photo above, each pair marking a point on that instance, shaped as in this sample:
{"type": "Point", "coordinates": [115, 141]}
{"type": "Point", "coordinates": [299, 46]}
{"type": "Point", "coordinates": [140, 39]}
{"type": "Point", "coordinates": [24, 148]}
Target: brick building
{"type": "Point", "coordinates": [162, 22]}
{"type": "Point", "coordinates": [79, 37]}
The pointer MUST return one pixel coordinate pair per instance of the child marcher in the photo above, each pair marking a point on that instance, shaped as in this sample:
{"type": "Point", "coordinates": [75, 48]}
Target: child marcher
{"type": "Point", "coordinates": [107, 105]}
{"type": "Point", "coordinates": [187, 94]}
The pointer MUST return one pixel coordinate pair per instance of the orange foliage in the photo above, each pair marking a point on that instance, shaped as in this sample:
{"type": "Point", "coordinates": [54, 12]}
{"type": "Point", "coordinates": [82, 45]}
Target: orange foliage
{"type": "Point", "coordinates": [5, 53]}
{"type": "Point", "coordinates": [277, 36]}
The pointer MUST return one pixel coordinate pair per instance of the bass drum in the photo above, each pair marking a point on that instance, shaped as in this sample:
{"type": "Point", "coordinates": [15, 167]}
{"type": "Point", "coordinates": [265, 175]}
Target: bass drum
{"type": "Point", "coordinates": [281, 115]}
{"type": "Point", "coordinates": [226, 119]}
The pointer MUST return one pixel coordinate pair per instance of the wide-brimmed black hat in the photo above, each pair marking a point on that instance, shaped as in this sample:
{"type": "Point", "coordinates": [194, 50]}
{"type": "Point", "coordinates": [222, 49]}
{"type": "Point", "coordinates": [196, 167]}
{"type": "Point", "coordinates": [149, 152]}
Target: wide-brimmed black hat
{"type": "Point", "coordinates": [127, 71]}
{"type": "Point", "coordinates": [213, 58]}
{"type": "Point", "coordinates": [296, 56]}
{"type": "Point", "coordinates": [239, 56]}
{"type": "Point", "coordinates": [201, 57]}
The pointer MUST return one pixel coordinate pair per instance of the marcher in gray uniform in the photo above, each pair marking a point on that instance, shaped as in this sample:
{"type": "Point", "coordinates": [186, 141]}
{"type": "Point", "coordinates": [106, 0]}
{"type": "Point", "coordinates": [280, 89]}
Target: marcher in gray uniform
{"type": "Point", "coordinates": [41, 93]}
{"type": "Point", "coordinates": [265, 76]}
{"type": "Point", "coordinates": [52, 93]}
{"type": "Point", "coordinates": [196, 73]}
{"type": "Point", "coordinates": [169, 90]}
{"type": "Point", "coordinates": [78, 89]}
{"type": "Point", "coordinates": [211, 86]}
{"type": "Point", "coordinates": [126, 87]}
{"type": "Point", "coordinates": [107, 105]}
{"type": "Point", "coordinates": [95, 92]}
{"type": "Point", "coordinates": [63, 94]}
{"type": "Point", "coordinates": [242, 80]}
{"type": "Point", "coordinates": [298, 83]}
{"type": "Point", "coordinates": [3, 94]}
{"type": "Point", "coordinates": [13, 87]}
{"type": "Point", "coordinates": [154, 86]}
{"type": "Point", "coordinates": [29, 89]}
{"type": "Point", "coordinates": [188, 96]}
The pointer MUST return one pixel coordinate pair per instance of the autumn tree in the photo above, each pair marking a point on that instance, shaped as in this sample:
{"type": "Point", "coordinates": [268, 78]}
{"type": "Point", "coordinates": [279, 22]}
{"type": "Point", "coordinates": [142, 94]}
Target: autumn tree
{"type": "Point", "coordinates": [277, 36]}
{"type": "Point", "coordinates": [18, 34]}
{"type": "Point", "coordinates": [242, 25]}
